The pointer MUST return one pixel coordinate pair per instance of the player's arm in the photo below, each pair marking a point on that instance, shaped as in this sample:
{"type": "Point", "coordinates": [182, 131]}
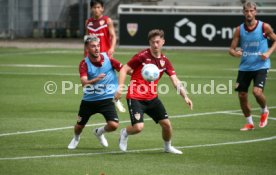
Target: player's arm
{"type": "Point", "coordinates": [235, 41]}
{"type": "Point", "coordinates": [86, 30]}
{"type": "Point", "coordinates": [181, 90]}
{"type": "Point", "coordinates": [84, 76]}
{"type": "Point", "coordinates": [272, 36]}
{"type": "Point", "coordinates": [117, 65]}
{"type": "Point", "coordinates": [122, 77]}
{"type": "Point", "coordinates": [85, 81]}
{"type": "Point", "coordinates": [112, 33]}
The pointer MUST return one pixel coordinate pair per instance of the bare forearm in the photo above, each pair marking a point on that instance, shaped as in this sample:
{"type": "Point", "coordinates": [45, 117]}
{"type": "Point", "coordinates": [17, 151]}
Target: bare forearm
{"type": "Point", "coordinates": [235, 53]}
{"type": "Point", "coordinates": [272, 48]}
{"type": "Point", "coordinates": [89, 82]}
{"type": "Point", "coordinates": [122, 77]}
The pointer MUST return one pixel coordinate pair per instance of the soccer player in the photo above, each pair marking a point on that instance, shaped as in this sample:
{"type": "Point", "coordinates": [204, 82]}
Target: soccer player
{"type": "Point", "coordinates": [142, 96]}
{"type": "Point", "coordinates": [252, 36]}
{"type": "Point", "coordinates": [100, 82]}
{"type": "Point", "coordinates": [102, 27]}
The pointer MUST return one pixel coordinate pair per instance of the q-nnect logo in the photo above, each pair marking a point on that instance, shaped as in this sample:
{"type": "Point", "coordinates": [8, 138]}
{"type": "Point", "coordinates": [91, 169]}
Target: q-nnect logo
{"type": "Point", "coordinates": [189, 37]}
{"type": "Point", "coordinates": [208, 31]}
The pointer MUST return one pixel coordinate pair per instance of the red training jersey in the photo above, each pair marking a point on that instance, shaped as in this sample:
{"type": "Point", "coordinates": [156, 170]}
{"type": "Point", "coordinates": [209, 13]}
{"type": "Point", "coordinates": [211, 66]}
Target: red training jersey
{"type": "Point", "coordinates": [83, 66]}
{"type": "Point", "coordinates": [139, 88]}
{"type": "Point", "coordinates": [99, 28]}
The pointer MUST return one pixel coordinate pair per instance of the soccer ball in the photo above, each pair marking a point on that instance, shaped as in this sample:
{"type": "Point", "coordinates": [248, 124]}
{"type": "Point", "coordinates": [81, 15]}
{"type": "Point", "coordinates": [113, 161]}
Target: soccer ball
{"type": "Point", "coordinates": [150, 72]}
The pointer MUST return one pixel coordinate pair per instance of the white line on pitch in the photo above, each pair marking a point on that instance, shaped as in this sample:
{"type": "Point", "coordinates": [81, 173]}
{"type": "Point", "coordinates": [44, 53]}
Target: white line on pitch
{"type": "Point", "coordinates": [39, 74]}
{"type": "Point", "coordinates": [38, 65]}
{"type": "Point", "coordinates": [257, 116]}
{"type": "Point", "coordinates": [75, 74]}
{"type": "Point", "coordinates": [57, 52]}
{"type": "Point", "coordinates": [126, 121]}
{"type": "Point", "coordinates": [139, 150]}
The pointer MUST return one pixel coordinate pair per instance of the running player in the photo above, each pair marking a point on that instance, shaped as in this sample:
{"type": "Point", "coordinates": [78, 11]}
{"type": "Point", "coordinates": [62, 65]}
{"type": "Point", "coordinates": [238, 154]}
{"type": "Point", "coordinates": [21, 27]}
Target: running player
{"type": "Point", "coordinates": [142, 96]}
{"type": "Point", "coordinates": [99, 80]}
{"type": "Point", "coordinates": [101, 26]}
{"type": "Point", "coordinates": [252, 36]}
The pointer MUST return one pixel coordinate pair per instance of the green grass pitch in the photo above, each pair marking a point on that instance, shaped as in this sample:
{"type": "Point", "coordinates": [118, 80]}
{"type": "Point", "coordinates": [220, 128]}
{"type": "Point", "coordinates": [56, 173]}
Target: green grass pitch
{"type": "Point", "coordinates": [36, 127]}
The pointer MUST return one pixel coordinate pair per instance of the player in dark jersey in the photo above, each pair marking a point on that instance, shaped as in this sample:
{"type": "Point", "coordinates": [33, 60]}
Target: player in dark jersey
{"type": "Point", "coordinates": [100, 82]}
{"type": "Point", "coordinates": [101, 26]}
{"type": "Point", "coordinates": [252, 36]}
{"type": "Point", "coordinates": [147, 101]}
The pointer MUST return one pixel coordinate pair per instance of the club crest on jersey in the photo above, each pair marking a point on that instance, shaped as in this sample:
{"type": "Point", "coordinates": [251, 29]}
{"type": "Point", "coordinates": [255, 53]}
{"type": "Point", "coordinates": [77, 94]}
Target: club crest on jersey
{"type": "Point", "coordinates": [137, 116]}
{"type": "Point", "coordinates": [162, 63]}
{"type": "Point", "coordinates": [90, 24]}
{"type": "Point", "coordinates": [102, 22]}
{"type": "Point", "coordinates": [132, 28]}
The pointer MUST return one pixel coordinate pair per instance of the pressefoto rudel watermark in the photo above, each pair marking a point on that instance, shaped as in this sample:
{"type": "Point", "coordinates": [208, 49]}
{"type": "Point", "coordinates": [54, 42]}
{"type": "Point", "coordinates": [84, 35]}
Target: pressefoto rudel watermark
{"type": "Point", "coordinates": [209, 88]}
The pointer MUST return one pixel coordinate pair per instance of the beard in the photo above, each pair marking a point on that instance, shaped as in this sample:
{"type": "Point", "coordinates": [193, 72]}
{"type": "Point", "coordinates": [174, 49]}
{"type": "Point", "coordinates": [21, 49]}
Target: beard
{"type": "Point", "coordinates": [249, 20]}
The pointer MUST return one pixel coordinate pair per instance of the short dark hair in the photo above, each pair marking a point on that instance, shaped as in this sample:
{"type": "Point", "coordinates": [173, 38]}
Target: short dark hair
{"type": "Point", "coordinates": [94, 2]}
{"type": "Point", "coordinates": [155, 32]}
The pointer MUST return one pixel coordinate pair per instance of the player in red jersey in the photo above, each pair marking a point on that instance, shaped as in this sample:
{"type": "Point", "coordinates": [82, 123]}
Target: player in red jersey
{"type": "Point", "coordinates": [142, 95]}
{"type": "Point", "coordinates": [102, 27]}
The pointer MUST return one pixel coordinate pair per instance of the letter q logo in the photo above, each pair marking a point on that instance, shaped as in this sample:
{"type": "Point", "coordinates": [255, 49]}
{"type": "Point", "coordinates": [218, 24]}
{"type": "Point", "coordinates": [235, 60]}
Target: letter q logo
{"type": "Point", "coordinates": [189, 37]}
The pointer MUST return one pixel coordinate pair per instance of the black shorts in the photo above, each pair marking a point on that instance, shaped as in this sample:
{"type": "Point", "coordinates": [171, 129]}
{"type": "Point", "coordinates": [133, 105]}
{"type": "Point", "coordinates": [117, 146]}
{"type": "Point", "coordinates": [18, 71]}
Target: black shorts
{"type": "Point", "coordinates": [245, 77]}
{"type": "Point", "coordinates": [154, 108]}
{"type": "Point", "coordinates": [105, 107]}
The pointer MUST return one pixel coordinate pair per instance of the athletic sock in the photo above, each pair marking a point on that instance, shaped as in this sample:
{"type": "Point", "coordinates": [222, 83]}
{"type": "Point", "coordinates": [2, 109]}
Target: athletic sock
{"type": "Point", "coordinates": [77, 137]}
{"type": "Point", "coordinates": [167, 144]}
{"type": "Point", "coordinates": [265, 109]}
{"type": "Point", "coordinates": [100, 130]}
{"type": "Point", "coordinates": [125, 132]}
{"type": "Point", "coordinates": [249, 120]}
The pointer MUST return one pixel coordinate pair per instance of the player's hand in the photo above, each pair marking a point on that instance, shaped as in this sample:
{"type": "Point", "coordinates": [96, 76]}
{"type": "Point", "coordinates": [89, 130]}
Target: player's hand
{"type": "Point", "coordinates": [117, 95]}
{"type": "Point", "coordinates": [264, 56]}
{"type": "Point", "coordinates": [189, 102]}
{"type": "Point", "coordinates": [110, 52]}
{"type": "Point", "coordinates": [101, 76]}
{"type": "Point", "coordinates": [238, 53]}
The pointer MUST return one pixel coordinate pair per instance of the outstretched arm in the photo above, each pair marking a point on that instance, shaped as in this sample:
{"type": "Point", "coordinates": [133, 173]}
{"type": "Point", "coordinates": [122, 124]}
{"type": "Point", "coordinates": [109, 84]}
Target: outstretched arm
{"type": "Point", "coordinates": [179, 87]}
{"type": "Point", "coordinates": [122, 77]}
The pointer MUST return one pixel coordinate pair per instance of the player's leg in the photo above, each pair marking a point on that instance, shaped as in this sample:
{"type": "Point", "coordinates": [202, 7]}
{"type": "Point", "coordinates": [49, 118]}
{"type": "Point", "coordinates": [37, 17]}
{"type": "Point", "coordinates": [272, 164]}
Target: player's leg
{"type": "Point", "coordinates": [244, 104]}
{"type": "Point", "coordinates": [136, 112]}
{"type": "Point", "coordinates": [157, 112]}
{"type": "Point", "coordinates": [107, 109]}
{"type": "Point", "coordinates": [259, 84]}
{"type": "Point", "coordinates": [83, 117]}
{"type": "Point", "coordinates": [242, 85]}
{"type": "Point", "coordinates": [76, 138]}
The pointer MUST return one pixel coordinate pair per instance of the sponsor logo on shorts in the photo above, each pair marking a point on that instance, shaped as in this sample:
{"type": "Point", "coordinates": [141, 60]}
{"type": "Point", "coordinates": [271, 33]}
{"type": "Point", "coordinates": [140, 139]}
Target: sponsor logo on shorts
{"type": "Point", "coordinates": [137, 116]}
{"type": "Point", "coordinates": [261, 84]}
{"type": "Point", "coordinates": [79, 119]}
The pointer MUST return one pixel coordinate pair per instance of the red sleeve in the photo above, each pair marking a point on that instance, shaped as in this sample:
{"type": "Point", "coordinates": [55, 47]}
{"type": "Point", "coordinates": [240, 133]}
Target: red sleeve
{"type": "Point", "coordinates": [169, 68]}
{"type": "Point", "coordinates": [83, 68]}
{"type": "Point", "coordinates": [116, 64]}
{"type": "Point", "coordinates": [134, 62]}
